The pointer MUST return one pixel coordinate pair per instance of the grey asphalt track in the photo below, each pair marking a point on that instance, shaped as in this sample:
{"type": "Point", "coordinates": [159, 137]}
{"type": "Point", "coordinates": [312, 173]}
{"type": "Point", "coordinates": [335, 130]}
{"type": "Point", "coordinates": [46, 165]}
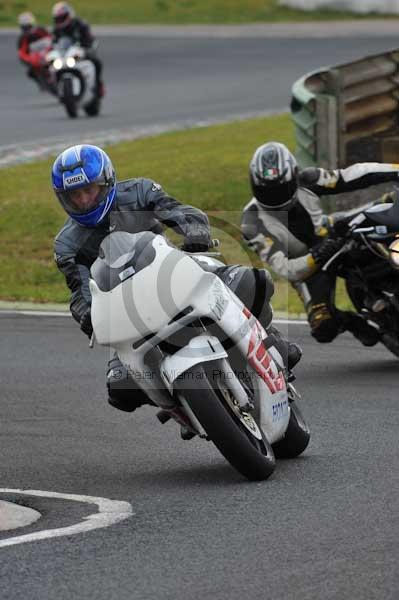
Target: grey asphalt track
{"type": "Point", "coordinates": [174, 80]}
{"type": "Point", "coordinates": [324, 526]}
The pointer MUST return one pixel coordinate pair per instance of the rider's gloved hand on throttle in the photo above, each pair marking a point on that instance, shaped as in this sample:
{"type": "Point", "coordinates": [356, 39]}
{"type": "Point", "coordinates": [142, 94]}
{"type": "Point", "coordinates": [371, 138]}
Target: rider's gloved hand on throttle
{"type": "Point", "coordinates": [337, 225]}
{"type": "Point", "coordinates": [197, 241]}
{"type": "Point", "coordinates": [341, 227]}
{"type": "Point", "coordinates": [325, 250]}
{"type": "Point", "coordinates": [85, 323]}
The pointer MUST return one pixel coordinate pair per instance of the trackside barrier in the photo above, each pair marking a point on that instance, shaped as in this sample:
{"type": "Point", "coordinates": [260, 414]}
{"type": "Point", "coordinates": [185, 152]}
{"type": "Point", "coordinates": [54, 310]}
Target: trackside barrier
{"type": "Point", "coordinates": [348, 113]}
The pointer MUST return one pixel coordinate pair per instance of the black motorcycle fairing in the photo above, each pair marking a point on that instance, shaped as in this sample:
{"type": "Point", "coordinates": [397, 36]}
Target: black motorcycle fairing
{"type": "Point", "coordinates": [122, 255]}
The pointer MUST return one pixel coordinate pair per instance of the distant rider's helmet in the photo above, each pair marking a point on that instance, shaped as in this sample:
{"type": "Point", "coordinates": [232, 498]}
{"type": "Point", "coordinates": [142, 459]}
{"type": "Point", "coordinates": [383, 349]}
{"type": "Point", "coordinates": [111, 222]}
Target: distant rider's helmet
{"type": "Point", "coordinates": [63, 14]}
{"type": "Point", "coordinates": [84, 182]}
{"type": "Point", "coordinates": [273, 174]}
{"type": "Point", "coordinates": [26, 21]}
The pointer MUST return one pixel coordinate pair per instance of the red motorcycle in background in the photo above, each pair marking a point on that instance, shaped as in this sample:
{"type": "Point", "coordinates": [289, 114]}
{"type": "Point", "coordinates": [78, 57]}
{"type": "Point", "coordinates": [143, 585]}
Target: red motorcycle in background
{"type": "Point", "coordinates": [35, 58]}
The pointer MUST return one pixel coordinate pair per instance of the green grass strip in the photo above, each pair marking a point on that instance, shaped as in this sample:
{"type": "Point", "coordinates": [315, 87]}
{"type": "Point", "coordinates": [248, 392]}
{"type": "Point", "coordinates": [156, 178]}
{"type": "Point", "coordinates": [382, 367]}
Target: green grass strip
{"type": "Point", "coordinates": [206, 167]}
{"type": "Point", "coordinates": [172, 12]}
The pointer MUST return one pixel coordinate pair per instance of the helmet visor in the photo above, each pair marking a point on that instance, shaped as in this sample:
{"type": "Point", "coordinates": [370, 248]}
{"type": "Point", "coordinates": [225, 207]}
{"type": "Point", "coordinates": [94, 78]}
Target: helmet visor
{"type": "Point", "coordinates": [83, 200]}
{"type": "Point", "coordinates": [60, 20]}
{"type": "Point", "coordinates": [276, 195]}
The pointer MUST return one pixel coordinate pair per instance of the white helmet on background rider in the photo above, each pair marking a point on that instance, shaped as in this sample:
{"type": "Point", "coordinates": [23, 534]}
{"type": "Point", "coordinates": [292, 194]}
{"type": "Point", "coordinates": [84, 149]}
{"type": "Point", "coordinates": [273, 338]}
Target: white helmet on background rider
{"type": "Point", "coordinates": [26, 21]}
{"type": "Point", "coordinates": [63, 14]}
{"type": "Point", "coordinates": [273, 174]}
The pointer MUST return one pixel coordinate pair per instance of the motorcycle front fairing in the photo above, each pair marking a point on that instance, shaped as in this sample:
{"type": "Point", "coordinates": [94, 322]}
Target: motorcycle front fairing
{"type": "Point", "coordinates": [144, 290]}
{"type": "Point", "coordinates": [69, 61]}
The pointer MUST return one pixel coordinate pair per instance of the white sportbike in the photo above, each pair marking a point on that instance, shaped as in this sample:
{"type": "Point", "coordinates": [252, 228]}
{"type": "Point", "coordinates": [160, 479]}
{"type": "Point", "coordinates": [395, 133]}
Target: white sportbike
{"type": "Point", "coordinates": [196, 351]}
{"type": "Point", "coordinates": [75, 77]}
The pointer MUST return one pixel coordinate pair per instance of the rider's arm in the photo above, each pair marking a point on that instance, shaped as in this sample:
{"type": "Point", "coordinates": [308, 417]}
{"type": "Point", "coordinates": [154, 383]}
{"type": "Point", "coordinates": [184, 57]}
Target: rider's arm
{"type": "Point", "coordinates": [23, 50]}
{"type": "Point", "coordinates": [271, 251]}
{"type": "Point", "coordinates": [357, 176]}
{"type": "Point", "coordinates": [186, 220]}
{"type": "Point", "coordinates": [76, 275]}
{"type": "Point", "coordinates": [86, 37]}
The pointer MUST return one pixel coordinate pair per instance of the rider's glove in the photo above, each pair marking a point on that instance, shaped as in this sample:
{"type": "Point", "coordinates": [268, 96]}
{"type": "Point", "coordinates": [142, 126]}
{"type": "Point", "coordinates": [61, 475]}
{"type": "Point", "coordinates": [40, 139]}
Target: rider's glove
{"type": "Point", "coordinates": [337, 224]}
{"type": "Point", "coordinates": [340, 226]}
{"type": "Point", "coordinates": [324, 251]}
{"type": "Point", "coordinates": [197, 241]}
{"type": "Point", "coordinates": [85, 322]}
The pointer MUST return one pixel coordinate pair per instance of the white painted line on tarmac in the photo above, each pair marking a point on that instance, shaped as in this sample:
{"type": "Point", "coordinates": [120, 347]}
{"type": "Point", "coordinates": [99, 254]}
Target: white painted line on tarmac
{"type": "Point", "coordinates": [24, 152]}
{"type": "Point", "coordinates": [109, 513]}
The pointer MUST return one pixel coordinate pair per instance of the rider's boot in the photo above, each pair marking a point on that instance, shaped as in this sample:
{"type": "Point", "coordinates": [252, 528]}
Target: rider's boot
{"type": "Point", "coordinates": [361, 330]}
{"type": "Point", "coordinates": [186, 433]}
{"type": "Point", "coordinates": [294, 354]}
{"type": "Point", "coordinates": [291, 352]}
{"type": "Point", "coordinates": [123, 393]}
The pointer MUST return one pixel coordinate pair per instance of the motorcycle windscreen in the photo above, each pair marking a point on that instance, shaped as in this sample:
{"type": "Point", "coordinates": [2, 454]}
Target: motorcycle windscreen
{"type": "Point", "coordinates": [122, 255]}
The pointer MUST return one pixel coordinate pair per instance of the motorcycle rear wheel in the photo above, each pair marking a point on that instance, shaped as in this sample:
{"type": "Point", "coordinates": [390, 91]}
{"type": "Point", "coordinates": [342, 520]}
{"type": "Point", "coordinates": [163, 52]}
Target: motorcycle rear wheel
{"type": "Point", "coordinates": [250, 456]}
{"type": "Point", "coordinates": [391, 343]}
{"type": "Point", "coordinates": [296, 438]}
{"type": "Point", "coordinates": [93, 109]}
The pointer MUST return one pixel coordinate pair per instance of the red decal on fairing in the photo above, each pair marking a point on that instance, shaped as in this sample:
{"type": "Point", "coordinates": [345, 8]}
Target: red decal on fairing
{"type": "Point", "coordinates": [247, 312]}
{"type": "Point", "coordinates": [260, 361]}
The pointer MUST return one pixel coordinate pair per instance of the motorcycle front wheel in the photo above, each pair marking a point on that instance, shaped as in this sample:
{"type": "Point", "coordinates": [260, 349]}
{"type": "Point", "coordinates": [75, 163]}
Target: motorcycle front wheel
{"type": "Point", "coordinates": [69, 99]}
{"type": "Point", "coordinates": [233, 431]}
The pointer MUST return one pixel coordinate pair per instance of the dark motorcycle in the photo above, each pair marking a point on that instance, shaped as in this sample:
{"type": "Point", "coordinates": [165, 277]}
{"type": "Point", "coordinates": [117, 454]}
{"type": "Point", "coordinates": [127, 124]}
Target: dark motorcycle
{"type": "Point", "coordinates": [369, 264]}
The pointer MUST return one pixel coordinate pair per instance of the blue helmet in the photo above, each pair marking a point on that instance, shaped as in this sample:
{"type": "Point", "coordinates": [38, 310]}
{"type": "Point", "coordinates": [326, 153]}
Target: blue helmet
{"type": "Point", "coordinates": [89, 169]}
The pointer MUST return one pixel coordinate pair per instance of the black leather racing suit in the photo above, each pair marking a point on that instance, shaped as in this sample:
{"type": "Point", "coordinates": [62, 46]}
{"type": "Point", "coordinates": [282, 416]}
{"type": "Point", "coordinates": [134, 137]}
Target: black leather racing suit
{"type": "Point", "coordinates": [283, 240]}
{"type": "Point", "coordinates": [142, 205]}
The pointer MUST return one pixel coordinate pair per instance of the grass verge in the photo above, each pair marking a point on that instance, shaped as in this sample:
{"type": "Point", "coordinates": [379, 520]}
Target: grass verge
{"type": "Point", "coordinates": [172, 11]}
{"type": "Point", "coordinates": [205, 167]}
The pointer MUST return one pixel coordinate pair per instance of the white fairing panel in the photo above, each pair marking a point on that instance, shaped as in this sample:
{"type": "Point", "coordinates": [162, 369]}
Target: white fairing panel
{"type": "Point", "coordinates": [87, 68]}
{"type": "Point", "coordinates": [146, 302]}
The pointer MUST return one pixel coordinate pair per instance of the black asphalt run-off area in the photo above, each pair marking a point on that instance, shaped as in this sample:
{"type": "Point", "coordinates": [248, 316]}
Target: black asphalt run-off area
{"type": "Point", "coordinates": [161, 81]}
{"type": "Point", "coordinates": [323, 526]}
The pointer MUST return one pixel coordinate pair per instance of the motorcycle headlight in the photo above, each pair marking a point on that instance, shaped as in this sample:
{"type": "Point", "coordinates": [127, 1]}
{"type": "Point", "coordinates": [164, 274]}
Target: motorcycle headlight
{"type": "Point", "coordinates": [70, 62]}
{"type": "Point", "coordinates": [57, 64]}
{"type": "Point", "coordinates": [394, 253]}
